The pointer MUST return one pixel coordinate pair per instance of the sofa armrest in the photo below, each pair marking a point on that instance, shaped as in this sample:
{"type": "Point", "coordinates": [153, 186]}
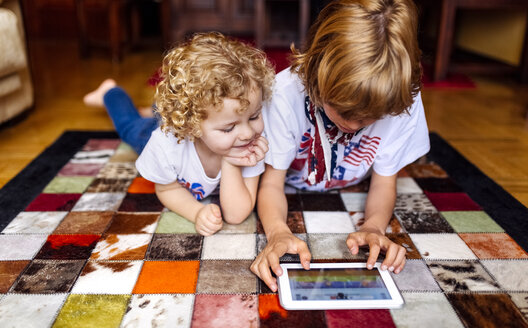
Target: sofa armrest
{"type": "Point", "coordinates": [11, 44]}
{"type": "Point", "coordinates": [16, 87]}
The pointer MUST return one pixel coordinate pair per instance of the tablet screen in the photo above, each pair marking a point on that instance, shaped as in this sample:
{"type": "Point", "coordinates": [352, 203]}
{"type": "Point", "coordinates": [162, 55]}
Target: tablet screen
{"type": "Point", "coordinates": [337, 284]}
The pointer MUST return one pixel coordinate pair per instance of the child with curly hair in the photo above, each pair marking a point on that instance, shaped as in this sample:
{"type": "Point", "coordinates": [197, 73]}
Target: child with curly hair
{"type": "Point", "coordinates": [349, 108]}
{"type": "Point", "coordinates": [210, 105]}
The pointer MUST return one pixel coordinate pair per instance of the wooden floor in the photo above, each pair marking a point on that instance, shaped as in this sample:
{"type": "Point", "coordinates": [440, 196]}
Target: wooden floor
{"type": "Point", "coordinates": [487, 124]}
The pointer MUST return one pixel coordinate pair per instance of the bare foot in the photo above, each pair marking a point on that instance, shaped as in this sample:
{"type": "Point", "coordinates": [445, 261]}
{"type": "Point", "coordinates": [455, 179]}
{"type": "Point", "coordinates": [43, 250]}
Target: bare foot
{"type": "Point", "coordinates": [145, 112]}
{"type": "Point", "coordinates": [95, 98]}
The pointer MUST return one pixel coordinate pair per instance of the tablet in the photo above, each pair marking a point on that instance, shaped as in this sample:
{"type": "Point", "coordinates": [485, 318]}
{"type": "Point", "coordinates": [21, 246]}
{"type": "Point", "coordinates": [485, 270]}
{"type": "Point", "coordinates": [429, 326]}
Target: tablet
{"type": "Point", "coordinates": [337, 286]}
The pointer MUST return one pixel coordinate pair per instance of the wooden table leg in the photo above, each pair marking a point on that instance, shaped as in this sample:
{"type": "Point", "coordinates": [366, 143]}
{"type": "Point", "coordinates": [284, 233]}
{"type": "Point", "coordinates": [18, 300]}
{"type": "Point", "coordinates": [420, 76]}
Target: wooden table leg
{"type": "Point", "coordinates": [523, 76]}
{"type": "Point", "coordinates": [303, 21]}
{"type": "Point", "coordinates": [165, 14]}
{"type": "Point", "coordinates": [260, 21]}
{"type": "Point", "coordinates": [114, 24]}
{"type": "Point", "coordinates": [82, 29]}
{"type": "Point", "coordinates": [445, 40]}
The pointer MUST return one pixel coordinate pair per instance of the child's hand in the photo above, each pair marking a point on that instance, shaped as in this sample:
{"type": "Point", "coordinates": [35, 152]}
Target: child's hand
{"type": "Point", "coordinates": [260, 148]}
{"type": "Point", "coordinates": [278, 245]}
{"type": "Point", "coordinates": [255, 154]}
{"type": "Point", "coordinates": [208, 220]}
{"type": "Point", "coordinates": [394, 253]}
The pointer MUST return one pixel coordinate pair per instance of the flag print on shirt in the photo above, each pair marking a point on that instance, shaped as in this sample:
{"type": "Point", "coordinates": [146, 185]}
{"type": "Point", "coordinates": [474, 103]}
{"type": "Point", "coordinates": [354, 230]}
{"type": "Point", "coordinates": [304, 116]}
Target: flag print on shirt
{"type": "Point", "coordinates": [364, 150]}
{"type": "Point", "coordinates": [354, 154]}
{"type": "Point", "coordinates": [302, 152]}
{"type": "Point", "coordinates": [350, 155]}
{"type": "Point", "coordinates": [195, 188]}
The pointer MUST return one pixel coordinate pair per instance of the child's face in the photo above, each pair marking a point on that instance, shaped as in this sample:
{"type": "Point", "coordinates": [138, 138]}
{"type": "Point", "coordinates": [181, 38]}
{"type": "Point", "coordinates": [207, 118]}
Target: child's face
{"type": "Point", "coordinates": [226, 132]}
{"type": "Point", "coordinates": [347, 126]}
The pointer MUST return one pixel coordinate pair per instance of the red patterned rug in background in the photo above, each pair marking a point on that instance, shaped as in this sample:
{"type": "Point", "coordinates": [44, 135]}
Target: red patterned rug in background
{"type": "Point", "coordinates": [279, 58]}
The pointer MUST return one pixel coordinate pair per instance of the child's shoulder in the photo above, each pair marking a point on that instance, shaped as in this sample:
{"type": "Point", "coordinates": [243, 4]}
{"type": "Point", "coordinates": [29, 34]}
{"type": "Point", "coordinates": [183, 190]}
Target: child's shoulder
{"type": "Point", "coordinates": [287, 79]}
{"type": "Point", "coordinates": [391, 126]}
{"type": "Point", "coordinates": [288, 87]}
{"type": "Point", "coordinates": [166, 140]}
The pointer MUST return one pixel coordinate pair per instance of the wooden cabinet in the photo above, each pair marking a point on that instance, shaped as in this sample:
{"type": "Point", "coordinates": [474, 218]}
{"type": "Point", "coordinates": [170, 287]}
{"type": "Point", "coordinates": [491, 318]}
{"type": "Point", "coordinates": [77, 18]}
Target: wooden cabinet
{"type": "Point", "coordinates": [226, 16]}
{"type": "Point", "coordinates": [50, 18]}
{"type": "Point", "coordinates": [272, 23]}
{"type": "Point", "coordinates": [278, 23]}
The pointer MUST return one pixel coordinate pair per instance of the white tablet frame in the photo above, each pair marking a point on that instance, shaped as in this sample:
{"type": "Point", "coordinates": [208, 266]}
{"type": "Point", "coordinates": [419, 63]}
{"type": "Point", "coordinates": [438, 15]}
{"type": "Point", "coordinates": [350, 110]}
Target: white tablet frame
{"type": "Point", "coordinates": [288, 303]}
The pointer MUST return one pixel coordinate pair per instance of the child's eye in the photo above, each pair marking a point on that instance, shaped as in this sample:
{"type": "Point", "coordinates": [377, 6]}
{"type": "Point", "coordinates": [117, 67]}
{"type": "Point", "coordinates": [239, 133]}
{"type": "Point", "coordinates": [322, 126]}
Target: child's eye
{"type": "Point", "coordinates": [254, 117]}
{"type": "Point", "coordinates": [229, 129]}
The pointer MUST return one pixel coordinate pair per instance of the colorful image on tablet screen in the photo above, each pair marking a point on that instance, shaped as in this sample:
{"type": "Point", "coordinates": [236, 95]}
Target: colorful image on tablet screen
{"type": "Point", "coordinates": [337, 284]}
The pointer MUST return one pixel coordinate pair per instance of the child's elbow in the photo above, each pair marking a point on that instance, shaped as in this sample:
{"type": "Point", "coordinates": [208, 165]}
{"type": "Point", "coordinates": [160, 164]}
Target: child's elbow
{"type": "Point", "coordinates": [236, 219]}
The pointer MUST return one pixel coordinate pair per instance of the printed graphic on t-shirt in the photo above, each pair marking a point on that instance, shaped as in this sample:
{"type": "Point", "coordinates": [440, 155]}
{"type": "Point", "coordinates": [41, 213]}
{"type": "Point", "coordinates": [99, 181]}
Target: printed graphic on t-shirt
{"type": "Point", "coordinates": [352, 155]}
{"type": "Point", "coordinates": [302, 153]}
{"type": "Point", "coordinates": [364, 150]}
{"type": "Point", "coordinates": [195, 188]}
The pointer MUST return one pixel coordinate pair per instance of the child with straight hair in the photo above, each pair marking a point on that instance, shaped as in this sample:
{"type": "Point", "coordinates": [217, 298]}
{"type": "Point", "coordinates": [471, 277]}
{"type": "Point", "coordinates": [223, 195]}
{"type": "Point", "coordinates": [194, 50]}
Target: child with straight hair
{"type": "Point", "coordinates": [348, 108]}
{"type": "Point", "coordinates": [209, 101]}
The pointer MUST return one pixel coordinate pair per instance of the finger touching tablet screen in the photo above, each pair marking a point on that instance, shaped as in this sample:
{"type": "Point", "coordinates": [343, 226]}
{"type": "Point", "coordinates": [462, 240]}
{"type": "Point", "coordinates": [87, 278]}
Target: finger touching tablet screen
{"type": "Point", "coordinates": [337, 286]}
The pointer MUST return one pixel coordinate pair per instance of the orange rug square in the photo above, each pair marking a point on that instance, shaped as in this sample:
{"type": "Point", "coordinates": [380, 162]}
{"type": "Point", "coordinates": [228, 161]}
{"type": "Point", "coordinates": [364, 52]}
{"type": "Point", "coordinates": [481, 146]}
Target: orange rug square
{"type": "Point", "coordinates": [268, 304]}
{"type": "Point", "coordinates": [160, 277]}
{"type": "Point", "coordinates": [141, 186]}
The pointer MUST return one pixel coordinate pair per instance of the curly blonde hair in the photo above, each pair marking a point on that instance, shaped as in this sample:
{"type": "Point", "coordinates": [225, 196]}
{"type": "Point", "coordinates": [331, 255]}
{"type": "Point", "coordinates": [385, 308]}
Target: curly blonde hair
{"type": "Point", "coordinates": [362, 58]}
{"type": "Point", "coordinates": [201, 73]}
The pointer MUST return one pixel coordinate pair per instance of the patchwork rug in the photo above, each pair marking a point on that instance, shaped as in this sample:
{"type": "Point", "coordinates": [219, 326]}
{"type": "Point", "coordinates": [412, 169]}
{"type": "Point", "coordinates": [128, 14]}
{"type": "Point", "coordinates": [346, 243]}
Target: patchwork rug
{"type": "Point", "coordinates": [85, 243]}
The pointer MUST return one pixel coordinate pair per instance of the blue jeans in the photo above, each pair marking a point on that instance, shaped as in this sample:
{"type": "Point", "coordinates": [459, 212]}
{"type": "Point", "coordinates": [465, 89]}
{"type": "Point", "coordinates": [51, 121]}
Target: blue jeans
{"type": "Point", "coordinates": [131, 127]}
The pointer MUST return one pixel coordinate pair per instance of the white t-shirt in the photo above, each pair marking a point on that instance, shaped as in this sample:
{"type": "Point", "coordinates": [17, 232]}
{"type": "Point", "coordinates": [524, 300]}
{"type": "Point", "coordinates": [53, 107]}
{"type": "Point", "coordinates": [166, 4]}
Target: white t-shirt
{"type": "Point", "coordinates": [386, 145]}
{"type": "Point", "coordinates": [165, 161]}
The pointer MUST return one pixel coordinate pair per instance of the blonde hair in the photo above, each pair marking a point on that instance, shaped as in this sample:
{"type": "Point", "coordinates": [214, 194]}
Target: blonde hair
{"type": "Point", "coordinates": [201, 73]}
{"type": "Point", "coordinates": [362, 58]}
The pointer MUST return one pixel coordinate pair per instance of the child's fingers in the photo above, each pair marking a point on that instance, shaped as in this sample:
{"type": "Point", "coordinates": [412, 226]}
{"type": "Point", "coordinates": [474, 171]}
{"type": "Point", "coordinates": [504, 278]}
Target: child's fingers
{"type": "Point", "coordinates": [399, 262]}
{"type": "Point", "coordinates": [212, 223]}
{"type": "Point", "coordinates": [209, 222]}
{"type": "Point", "coordinates": [399, 268]}
{"type": "Point", "coordinates": [353, 245]}
{"type": "Point", "coordinates": [273, 263]}
{"type": "Point", "coordinates": [202, 230]}
{"type": "Point", "coordinates": [215, 210]}
{"type": "Point", "coordinates": [261, 267]}
{"type": "Point", "coordinates": [262, 144]}
{"type": "Point", "coordinates": [264, 140]}
{"type": "Point", "coordinates": [390, 257]}
{"type": "Point", "coordinates": [259, 153]}
{"type": "Point", "coordinates": [356, 240]}
{"type": "Point", "coordinates": [373, 256]}
{"type": "Point", "coordinates": [264, 273]}
{"type": "Point", "coordinates": [251, 160]}
{"type": "Point", "coordinates": [304, 254]}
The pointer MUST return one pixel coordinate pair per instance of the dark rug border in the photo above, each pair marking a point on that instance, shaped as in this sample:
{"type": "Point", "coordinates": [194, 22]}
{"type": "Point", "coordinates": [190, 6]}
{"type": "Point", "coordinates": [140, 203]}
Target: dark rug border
{"type": "Point", "coordinates": [508, 212]}
{"type": "Point", "coordinates": [37, 174]}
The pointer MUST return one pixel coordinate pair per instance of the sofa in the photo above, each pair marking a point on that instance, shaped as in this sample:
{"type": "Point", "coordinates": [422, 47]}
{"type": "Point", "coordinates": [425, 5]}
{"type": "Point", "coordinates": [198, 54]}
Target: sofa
{"type": "Point", "coordinates": [16, 87]}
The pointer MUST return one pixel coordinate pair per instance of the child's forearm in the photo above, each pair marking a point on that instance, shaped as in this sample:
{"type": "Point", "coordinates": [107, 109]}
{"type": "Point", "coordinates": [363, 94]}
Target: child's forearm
{"type": "Point", "coordinates": [179, 200]}
{"type": "Point", "coordinates": [380, 203]}
{"type": "Point", "coordinates": [237, 195]}
{"type": "Point", "coordinates": [272, 204]}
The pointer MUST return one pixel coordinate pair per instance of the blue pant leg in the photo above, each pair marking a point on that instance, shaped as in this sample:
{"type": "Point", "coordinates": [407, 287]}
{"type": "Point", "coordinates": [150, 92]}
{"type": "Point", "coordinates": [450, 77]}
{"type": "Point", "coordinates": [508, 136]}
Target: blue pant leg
{"type": "Point", "coordinates": [130, 126]}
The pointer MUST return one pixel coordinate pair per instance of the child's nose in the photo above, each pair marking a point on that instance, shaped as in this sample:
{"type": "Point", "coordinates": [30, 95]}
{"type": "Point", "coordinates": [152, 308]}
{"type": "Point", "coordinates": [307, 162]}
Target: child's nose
{"type": "Point", "coordinates": [247, 132]}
